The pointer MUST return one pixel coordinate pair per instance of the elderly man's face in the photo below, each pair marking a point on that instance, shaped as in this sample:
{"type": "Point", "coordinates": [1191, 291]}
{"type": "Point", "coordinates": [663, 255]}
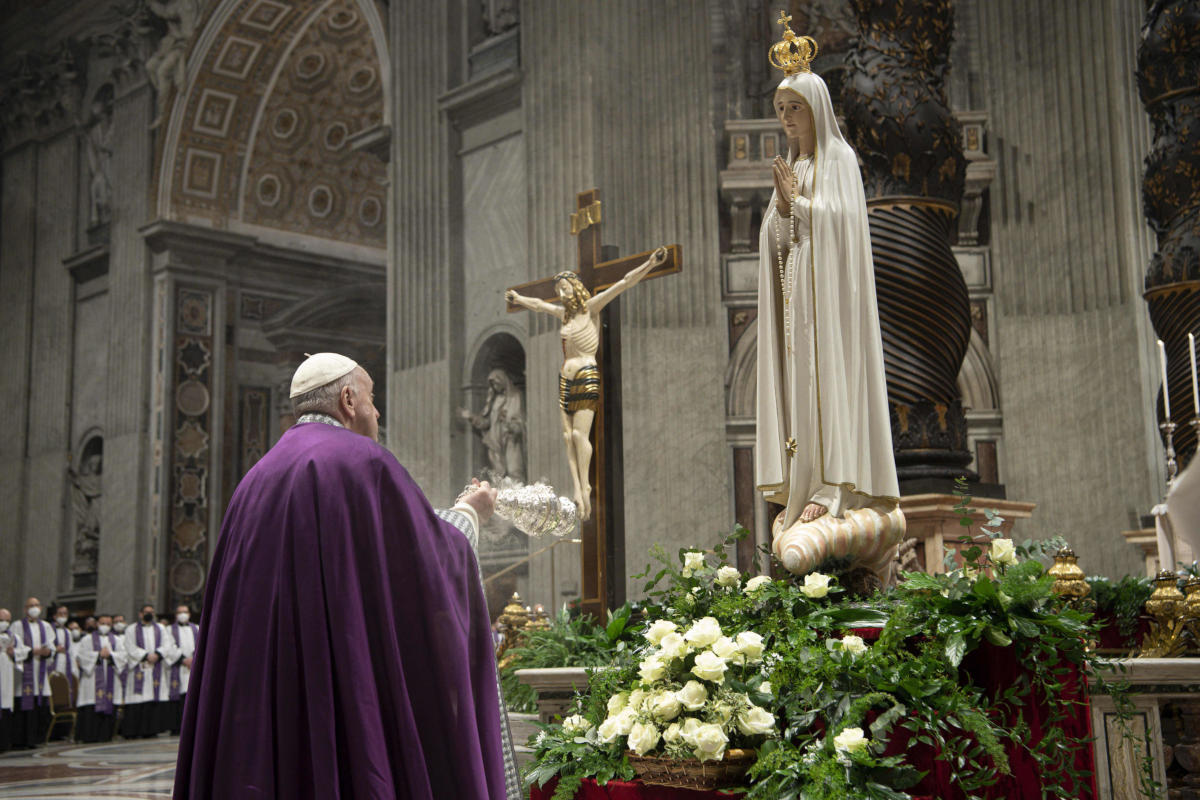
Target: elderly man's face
{"type": "Point", "coordinates": [366, 416]}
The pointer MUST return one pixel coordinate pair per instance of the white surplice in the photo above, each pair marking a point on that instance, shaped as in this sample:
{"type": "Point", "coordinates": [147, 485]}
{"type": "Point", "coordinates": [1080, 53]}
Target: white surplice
{"type": "Point", "coordinates": [88, 659]}
{"type": "Point", "coordinates": [8, 670]}
{"type": "Point", "coordinates": [181, 646]}
{"type": "Point", "coordinates": [823, 432]}
{"type": "Point", "coordinates": [40, 633]}
{"type": "Point", "coordinates": [136, 662]}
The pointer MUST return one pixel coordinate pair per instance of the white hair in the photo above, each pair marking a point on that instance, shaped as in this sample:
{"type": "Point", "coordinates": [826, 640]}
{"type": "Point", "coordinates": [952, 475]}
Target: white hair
{"type": "Point", "coordinates": [323, 399]}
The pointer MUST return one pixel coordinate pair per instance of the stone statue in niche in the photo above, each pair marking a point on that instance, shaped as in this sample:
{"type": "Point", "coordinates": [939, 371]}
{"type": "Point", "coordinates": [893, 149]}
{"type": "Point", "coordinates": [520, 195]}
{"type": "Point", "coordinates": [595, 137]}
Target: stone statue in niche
{"type": "Point", "coordinates": [97, 143]}
{"type": "Point", "coordinates": [499, 16]}
{"type": "Point", "coordinates": [500, 425]}
{"type": "Point", "coordinates": [166, 68]}
{"type": "Point", "coordinates": [85, 510]}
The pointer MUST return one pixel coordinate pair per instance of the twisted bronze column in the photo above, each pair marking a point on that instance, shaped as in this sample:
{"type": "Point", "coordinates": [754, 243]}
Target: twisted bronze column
{"type": "Point", "coordinates": [1168, 63]}
{"type": "Point", "coordinates": [898, 119]}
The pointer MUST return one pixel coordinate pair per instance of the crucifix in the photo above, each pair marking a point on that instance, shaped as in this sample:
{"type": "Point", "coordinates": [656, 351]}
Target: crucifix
{"type": "Point", "coordinates": [590, 388]}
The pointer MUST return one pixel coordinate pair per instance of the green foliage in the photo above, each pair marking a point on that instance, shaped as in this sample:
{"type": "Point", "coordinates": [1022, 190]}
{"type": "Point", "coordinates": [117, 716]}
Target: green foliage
{"type": "Point", "coordinates": [570, 641]}
{"type": "Point", "coordinates": [908, 682]}
{"type": "Point", "coordinates": [1121, 600]}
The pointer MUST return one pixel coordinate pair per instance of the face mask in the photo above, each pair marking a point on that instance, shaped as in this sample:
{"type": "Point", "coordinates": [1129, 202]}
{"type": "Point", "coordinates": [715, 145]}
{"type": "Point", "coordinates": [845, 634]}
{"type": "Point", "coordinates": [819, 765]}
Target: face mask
{"type": "Point", "coordinates": [119, 627]}
{"type": "Point", "coordinates": [3, 625]}
{"type": "Point", "coordinates": [148, 617]}
{"type": "Point", "coordinates": [60, 621]}
{"type": "Point", "coordinates": [34, 612]}
{"type": "Point", "coordinates": [103, 630]}
{"type": "Point", "coordinates": [75, 634]}
{"type": "Point", "coordinates": [182, 617]}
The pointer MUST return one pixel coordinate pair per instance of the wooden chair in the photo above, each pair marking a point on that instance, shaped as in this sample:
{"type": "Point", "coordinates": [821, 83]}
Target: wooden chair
{"type": "Point", "coordinates": [61, 707]}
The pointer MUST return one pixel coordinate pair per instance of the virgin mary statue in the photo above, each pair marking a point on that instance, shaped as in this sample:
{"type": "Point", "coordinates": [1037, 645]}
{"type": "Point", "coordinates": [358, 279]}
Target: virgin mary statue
{"type": "Point", "coordinates": [824, 444]}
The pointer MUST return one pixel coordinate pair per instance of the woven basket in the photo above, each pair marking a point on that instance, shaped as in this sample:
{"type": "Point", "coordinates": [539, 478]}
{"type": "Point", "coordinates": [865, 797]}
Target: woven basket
{"type": "Point", "coordinates": [691, 773]}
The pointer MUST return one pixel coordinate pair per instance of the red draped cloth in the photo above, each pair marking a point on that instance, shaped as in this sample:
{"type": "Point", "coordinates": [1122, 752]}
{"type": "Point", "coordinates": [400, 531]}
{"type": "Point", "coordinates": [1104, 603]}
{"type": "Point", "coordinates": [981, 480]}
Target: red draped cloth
{"type": "Point", "coordinates": [618, 790]}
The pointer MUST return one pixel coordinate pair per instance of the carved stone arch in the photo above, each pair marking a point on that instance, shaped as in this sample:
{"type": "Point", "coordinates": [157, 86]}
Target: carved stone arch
{"type": "Point", "coordinates": [260, 138]}
{"type": "Point", "coordinates": [741, 376]}
{"type": "Point", "coordinates": [977, 378]}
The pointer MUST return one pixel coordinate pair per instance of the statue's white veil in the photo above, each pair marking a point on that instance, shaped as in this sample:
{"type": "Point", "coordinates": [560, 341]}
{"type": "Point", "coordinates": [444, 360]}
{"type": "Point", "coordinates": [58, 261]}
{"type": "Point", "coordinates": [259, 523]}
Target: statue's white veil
{"type": "Point", "coordinates": [852, 409]}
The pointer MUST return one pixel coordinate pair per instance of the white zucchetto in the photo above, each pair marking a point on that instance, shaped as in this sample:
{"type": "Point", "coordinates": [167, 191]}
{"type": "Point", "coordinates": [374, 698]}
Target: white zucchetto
{"type": "Point", "coordinates": [318, 370]}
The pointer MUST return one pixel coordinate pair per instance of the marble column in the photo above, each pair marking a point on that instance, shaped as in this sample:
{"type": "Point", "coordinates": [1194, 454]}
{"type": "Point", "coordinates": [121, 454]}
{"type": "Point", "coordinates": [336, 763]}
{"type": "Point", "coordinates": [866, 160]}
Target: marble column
{"type": "Point", "coordinates": [130, 557]}
{"type": "Point", "coordinates": [1167, 62]}
{"type": "Point", "coordinates": [899, 121]}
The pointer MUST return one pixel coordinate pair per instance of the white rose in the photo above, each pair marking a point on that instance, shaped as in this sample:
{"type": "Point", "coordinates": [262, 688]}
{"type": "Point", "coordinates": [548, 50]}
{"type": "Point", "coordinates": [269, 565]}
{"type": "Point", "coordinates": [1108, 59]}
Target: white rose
{"type": "Point", "coordinates": [722, 712]}
{"type": "Point", "coordinates": [815, 585]}
{"type": "Point", "coordinates": [665, 706]}
{"type": "Point", "coordinates": [672, 734]}
{"type": "Point", "coordinates": [673, 645]}
{"type": "Point", "coordinates": [710, 667]}
{"type": "Point", "coordinates": [692, 560]}
{"type": "Point", "coordinates": [765, 688]}
{"type": "Point", "coordinates": [728, 576]}
{"type": "Point", "coordinates": [625, 721]}
{"type": "Point", "coordinates": [636, 698]}
{"type": "Point", "coordinates": [575, 725]}
{"type": "Point", "coordinates": [687, 731]}
{"type": "Point", "coordinates": [693, 695]}
{"type": "Point", "coordinates": [756, 721]}
{"type": "Point", "coordinates": [755, 583]}
{"type": "Point", "coordinates": [708, 742]}
{"type": "Point", "coordinates": [643, 737]}
{"type": "Point", "coordinates": [850, 740]}
{"type": "Point", "coordinates": [703, 632]}
{"type": "Point", "coordinates": [1003, 552]}
{"type": "Point", "coordinates": [617, 702]}
{"type": "Point", "coordinates": [659, 629]}
{"type": "Point", "coordinates": [854, 645]}
{"type": "Point", "coordinates": [727, 649]}
{"type": "Point", "coordinates": [750, 644]}
{"type": "Point", "coordinates": [652, 669]}
{"type": "Point", "coordinates": [609, 730]}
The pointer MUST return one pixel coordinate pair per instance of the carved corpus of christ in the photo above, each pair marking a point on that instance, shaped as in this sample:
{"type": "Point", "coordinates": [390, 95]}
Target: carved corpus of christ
{"type": "Point", "coordinates": [579, 378]}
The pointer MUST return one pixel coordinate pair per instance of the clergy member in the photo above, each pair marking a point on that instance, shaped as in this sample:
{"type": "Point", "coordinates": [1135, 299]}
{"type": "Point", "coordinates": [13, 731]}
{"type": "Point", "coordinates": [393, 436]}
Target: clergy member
{"type": "Point", "coordinates": [183, 635]}
{"type": "Point", "coordinates": [33, 654]}
{"type": "Point", "coordinates": [146, 644]}
{"type": "Point", "coordinates": [64, 648]}
{"type": "Point", "coordinates": [100, 656]}
{"type": "Point", "coordinates": [345, 649]}
{"type": "Point", "coordinates": [7, 673]}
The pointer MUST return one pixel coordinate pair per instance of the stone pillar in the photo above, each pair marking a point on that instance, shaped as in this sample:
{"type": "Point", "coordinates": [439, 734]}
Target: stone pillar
{"type": "Point", "coordinates": [1167, 62]}
{"type": "Point", "coordinates": [899, 122]}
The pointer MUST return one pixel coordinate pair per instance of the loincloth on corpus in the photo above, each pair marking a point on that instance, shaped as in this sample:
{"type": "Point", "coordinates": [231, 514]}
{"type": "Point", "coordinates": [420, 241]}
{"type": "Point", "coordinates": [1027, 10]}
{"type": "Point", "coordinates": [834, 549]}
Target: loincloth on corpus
{"type": "Point", "coordinates": [581, 393]}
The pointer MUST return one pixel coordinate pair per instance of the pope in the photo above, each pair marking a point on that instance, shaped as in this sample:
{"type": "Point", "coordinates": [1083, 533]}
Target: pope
{"type": "Point", "coordinates": [345, 651]}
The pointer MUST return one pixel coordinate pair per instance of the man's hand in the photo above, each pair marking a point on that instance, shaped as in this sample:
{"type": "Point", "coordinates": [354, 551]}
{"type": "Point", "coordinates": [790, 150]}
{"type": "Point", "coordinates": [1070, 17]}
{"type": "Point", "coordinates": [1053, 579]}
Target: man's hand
{"type": "Point", "coordinates": [105, 653]}
{"type": "Point", "coordinates": [187, 662]}
{"type": "Point", "coordinates": [60, 649]}
{"type": "Point", "coordinates": [44, 651]}
{"type": "Point", "coordinates": [483, 500]}
{"type": "Point", "coordinates": [12, 651]}
{"type": "Point", "coordinates": [152, 658]}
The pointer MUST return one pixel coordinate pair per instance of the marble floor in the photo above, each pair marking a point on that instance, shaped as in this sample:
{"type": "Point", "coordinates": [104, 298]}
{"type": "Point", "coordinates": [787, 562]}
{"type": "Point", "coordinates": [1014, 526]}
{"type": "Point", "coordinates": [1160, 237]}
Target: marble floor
{"type": "Point", "coordinates": [136, 770]}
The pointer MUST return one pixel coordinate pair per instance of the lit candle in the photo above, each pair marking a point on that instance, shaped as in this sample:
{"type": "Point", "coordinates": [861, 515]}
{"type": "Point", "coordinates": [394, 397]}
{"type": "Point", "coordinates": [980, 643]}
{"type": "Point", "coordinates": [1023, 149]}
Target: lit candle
{"type": "Point", "coordinates": [1195, 394]}
{"type": "Point", "coordinates": [1162, 359]}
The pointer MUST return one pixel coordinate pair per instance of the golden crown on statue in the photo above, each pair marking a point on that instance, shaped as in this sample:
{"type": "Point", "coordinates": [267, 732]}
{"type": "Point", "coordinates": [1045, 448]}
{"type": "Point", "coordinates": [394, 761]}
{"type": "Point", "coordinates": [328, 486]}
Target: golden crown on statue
{"type": "Point", "coordinates": [794, 53]}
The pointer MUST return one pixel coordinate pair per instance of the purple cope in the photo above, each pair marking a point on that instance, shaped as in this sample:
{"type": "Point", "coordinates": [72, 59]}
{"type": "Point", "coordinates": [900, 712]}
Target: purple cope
{"type": "Point", "coordinates": [346, 650]}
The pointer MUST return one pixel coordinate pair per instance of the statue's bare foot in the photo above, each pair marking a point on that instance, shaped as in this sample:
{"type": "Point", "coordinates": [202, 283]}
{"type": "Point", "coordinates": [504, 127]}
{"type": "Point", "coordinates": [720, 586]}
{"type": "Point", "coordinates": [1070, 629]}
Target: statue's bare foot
{"type": "Point", "coordinates": [813, 511]}
{"type": "Point", "coordinates": [587, 503]}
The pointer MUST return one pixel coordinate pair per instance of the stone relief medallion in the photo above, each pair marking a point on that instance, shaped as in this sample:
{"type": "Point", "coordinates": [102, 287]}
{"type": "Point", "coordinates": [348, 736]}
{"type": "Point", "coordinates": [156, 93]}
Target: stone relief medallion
{"type": "Point", "coordinates": [188, 534]}
{"type": "Point", "coordinates": [191, 486]}
{"type": "Point", "coordinates": [362, 80]}
{"type": "Point", "coordinates": [187, 576]}
{"type": "Point", "coordinates": [335, 135]}
{"type": "Point", "coordinates": [268, 190]}
{"type": "Point", "coordinates": [370, 213]}
{"type": "Point", "coordinates": [320, 201]}
{"type": "Point", "coordinates": [284, 124]}
{"type": "Point", "coordinates": [192, 398]}
{"type": "Point", "coordinates": [193, 312]}
{"type": "Point", "coordinates": [190, 440]}
{"type": "Point", "coordinates": [310, 65]}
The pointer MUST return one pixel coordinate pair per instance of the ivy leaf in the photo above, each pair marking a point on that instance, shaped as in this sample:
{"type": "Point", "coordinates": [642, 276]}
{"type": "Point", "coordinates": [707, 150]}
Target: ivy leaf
{"type": "Point", "coordinates": [956, 648]}
{"type": "Point", "coordinates": [996, 636]}
{"type": "Point", "coordinates": [920, 580]}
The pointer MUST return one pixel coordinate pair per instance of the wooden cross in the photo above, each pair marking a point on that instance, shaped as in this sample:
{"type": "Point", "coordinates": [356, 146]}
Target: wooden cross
{"type": "Point", "coordinates": [603, 536]}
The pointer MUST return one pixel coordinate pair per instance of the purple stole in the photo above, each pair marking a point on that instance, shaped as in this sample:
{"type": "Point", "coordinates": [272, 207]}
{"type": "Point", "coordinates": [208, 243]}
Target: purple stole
{"type": "Point", "coordinates": [139, 674]}
{"type": "Point", "coordinates": [31, 697]}
{"type": "Point", "coordinates": [67, 644]}
{"type": "Point", "coordinates": [104, 675]}
{"type": "Point", "coordinates": [175, 668]}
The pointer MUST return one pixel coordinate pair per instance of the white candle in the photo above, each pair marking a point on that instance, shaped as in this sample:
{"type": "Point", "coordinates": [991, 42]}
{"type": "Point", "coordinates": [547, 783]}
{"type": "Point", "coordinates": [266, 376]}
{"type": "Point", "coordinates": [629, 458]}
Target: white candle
{"type": "Point", "coordinates": [1162, 359]}
{"type": "Point", "coordinates": [1195, 393]}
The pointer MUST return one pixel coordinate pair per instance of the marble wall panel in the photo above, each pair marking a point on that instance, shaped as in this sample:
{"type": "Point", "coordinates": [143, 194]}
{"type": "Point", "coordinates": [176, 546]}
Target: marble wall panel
{"type": "Point", "coordinates": [123, 581]}
{"type": "Point", "coordinates": [418, 430]}
{"type": "Point", "coordinates": [90, 360]}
